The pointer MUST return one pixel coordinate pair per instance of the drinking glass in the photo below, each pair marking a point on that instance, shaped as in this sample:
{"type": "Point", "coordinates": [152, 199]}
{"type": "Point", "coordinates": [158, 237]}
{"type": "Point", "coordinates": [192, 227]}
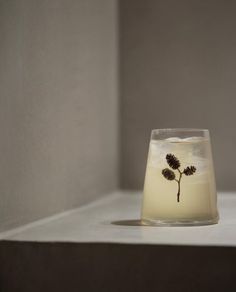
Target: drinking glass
{"type": "Point", "coordinates": [179, 187]}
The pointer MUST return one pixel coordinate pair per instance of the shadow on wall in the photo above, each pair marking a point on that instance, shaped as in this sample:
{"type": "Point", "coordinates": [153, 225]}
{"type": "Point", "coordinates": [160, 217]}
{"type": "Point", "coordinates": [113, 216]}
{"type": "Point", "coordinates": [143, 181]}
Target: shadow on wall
{"type": "Point", "coordinates": [177, 70]}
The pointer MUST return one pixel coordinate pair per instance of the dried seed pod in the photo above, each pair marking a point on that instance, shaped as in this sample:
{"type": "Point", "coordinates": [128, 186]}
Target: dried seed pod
{"type": "Point", "coordinates": [168, 174]}
{"type": "Point", "coordinates": [189, 170]}
{"type": "Point", "coordinates": [172, 161]}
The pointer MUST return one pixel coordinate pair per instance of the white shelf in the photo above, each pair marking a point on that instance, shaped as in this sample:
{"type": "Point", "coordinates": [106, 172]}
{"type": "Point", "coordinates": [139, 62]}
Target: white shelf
{"type": "Point", "coordinates": [114, 218]}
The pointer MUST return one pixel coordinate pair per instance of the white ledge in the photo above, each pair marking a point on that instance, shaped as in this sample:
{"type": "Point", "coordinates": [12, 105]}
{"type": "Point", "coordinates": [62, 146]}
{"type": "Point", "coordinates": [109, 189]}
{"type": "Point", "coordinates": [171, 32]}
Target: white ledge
{"type": "Point", "coordinates": [114, 219]}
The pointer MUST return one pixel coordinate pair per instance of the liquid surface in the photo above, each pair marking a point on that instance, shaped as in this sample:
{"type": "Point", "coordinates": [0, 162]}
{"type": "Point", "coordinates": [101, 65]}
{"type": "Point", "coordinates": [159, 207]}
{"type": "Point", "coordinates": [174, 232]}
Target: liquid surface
{"type": "Point", "coordinates": [197, 199]}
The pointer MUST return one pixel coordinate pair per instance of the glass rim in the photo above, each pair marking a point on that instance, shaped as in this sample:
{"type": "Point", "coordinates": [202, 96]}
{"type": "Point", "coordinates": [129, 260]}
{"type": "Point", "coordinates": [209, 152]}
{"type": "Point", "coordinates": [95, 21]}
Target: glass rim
{"type": "Point", "coordinates": [180, 130]}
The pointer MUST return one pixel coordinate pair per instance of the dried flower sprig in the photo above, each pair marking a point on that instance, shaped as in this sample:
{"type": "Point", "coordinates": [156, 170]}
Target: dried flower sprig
{"type": "Point", "coordinates": [168, 174]}
{"type": "Point", "coordinates": [189, 170]}
{"type": "Point", "coordinates": [174, 163]}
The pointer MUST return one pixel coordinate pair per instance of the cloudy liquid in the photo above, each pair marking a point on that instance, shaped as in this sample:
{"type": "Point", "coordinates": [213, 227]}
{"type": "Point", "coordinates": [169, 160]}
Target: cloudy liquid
{"type": "Point", "coordinates": [197, 201]}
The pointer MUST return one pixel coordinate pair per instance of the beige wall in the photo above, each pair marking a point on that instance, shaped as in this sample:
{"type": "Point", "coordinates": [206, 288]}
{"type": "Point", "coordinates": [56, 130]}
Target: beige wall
{"type": "Point", "coordinates": [178, 68]}
{"type": "Point", "coordinates": [58, 106]}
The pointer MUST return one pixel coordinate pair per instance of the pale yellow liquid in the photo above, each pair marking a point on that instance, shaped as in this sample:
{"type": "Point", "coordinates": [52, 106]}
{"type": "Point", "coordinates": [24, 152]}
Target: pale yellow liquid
{"type": "Point", "coordinates": [197, 192]}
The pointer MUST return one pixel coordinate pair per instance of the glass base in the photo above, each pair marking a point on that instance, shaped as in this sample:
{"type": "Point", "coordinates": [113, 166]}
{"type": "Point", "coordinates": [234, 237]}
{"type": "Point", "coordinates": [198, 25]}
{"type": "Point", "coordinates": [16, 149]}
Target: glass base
{"type": "Point", "coordinates": [179, 222]}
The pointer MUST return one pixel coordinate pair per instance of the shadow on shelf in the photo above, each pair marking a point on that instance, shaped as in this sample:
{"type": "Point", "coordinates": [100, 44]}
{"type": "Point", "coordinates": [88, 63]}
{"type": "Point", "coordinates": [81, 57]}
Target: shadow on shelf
{"type": "Point", "coordinates": [135, 222]}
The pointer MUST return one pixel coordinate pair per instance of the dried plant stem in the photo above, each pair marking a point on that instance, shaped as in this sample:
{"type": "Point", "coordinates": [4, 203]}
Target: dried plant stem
{"type": "Point", "coordinates": [178, 181]}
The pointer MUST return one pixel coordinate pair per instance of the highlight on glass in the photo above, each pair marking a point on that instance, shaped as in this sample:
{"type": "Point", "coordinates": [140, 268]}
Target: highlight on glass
{"type": "Point", "coordinates": [179, 187]}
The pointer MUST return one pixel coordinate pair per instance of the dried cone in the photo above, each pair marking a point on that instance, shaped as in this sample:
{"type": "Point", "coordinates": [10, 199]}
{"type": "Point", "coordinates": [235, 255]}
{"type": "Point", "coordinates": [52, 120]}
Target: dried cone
{"type": "Point", "coordinates": [168, 174]}
{"type": "Point", "coordinates": [172, 161]}
{"type": "Point", "coordinates": [189, 170]}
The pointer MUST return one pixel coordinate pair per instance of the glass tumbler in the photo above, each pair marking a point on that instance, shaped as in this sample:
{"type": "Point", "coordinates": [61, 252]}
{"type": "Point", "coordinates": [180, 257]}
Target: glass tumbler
{"type": "Point", "coordinates": [179, 187]}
